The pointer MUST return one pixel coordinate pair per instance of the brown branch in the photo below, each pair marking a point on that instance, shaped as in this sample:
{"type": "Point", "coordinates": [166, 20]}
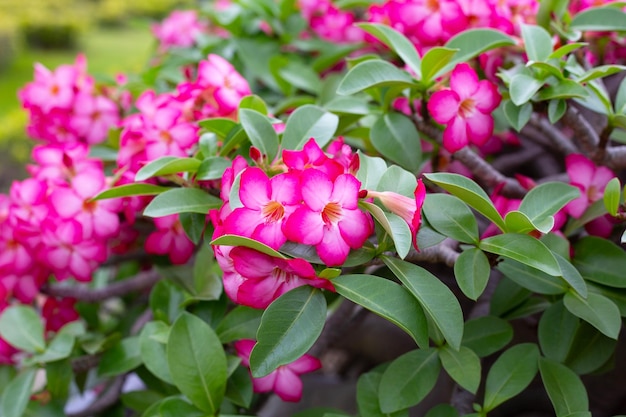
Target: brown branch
{"type": "Point", "coordinates": [139, 282]}
{"type": "Point", "coordinates": [557, 140]}
{"type": "Point", "coordinates": [584, 134]}
{"type": "Point", "coordinates": [105, 400]}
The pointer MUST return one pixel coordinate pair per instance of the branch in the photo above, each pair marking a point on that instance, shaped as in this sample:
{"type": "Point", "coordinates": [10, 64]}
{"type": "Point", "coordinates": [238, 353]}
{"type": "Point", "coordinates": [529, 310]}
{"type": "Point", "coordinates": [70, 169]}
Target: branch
{"type": "Point", "coordinates": [335, 327]}
{"type": "Point", "coordinates": [139, 282]}
{"type": "Point", "coordinates": [557, 140]}
{"type": "Point", "coordinates": [105, 400]}
{"type": "Point", "coordinates": [584, 133]}
{"type": "Point", "coordinates": [443, 252]}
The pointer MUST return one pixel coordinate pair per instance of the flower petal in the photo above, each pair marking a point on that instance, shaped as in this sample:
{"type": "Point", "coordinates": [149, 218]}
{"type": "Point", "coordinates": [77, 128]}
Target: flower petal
{"type": "Point", "coordinates": [443, 106]}
{"type": "Point", "coordinates": [464, 80]}
{"type": "Point", "coordinates": [254, 188]}
{"type": "Point", "coordinates": [479, 128]}
{"type": "Point", "coordinates": [455, 135]}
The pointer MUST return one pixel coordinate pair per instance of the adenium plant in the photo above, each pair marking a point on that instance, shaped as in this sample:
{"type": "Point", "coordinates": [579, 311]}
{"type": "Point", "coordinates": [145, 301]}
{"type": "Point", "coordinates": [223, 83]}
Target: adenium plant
{"type": "Point", "coordinates": [199, 238]}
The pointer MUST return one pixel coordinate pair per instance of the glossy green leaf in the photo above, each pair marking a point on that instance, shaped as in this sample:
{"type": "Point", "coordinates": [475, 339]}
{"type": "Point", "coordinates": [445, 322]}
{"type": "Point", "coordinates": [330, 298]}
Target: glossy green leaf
{"type": "Point", "coordinates": [175, 407]}
{"type": "Point", "coordinates": [563, 89]}
{"type": "Point", "coordinates": [590, 351]}
{"type": "Point", "coordinates": [486, 335]}
{"type": "Point", "coordinates": [197, 362]}
{"type": "Point", "coordinates": [434, 60]}
{"type": "Point", "coordinates": [600, 72]}
{"type": "Point", "coordinates": [128, 190]}
{"type": "Point", "coordinates": [395, 137]}
{"type": "Point", "coordinates": [474, 42]}
{"type": "Point", "coordinates": [234, 240]}
{"type": "Point", "coordinates": [524, 249]}
{"type": "Point", "coordinates": [398, 180]}
{"type": "Point", "coordinates": [308, 122]}
{"type": "Point", "coordinates": [565, 389]}
{"type": "Point", "coordinates": [556, 110]}
{"type": "Point", "coordinates": [510, 374]}
{"type": "Point", "coordinates": [239, 388]}
{"type": "Point", "coordinates": [599, 260]}
{"type": "Point", "coordinates": [260, 132]}
{"type": "Point", "coordinates": [367, 394]}
{"type": "Point", "coordinates": [370, 171]}
{"type": "Point", "coordinates": [530, 307]}
{"type": "Point", "coordinates": [531, 278]}
{"type": "Point", "coordinates": [153, 351]}
{"type": "Point", "coordinates": [545, 68]}
{"type": "Point", "coordinates": [220, 126]}
{"type": "Point", "coordinates": [600, 19]}
{"type": "Point", "coordinates": [571, 275]}
{"type": "Point", "coordinates": [122, 357]}
{"type": "Point", "coordinates": [21, 327]}
{"type": "Point", "coordinates": [253, 102]}
{"type": "Point", "coordinates": [566, 49]}
{"type": "Point", "coordinates": [442, 410]}
{"type": "Point", "coordinates": [397, 42]}
{"type": "Point", "coordinates": [182, 200]}
{"type": "Point", "coordinates": [408, 379]}
{"type": "Point", "coordinates": [620, 98]}
{"type": "Point", "coordinates": [374, 73]}
{"type": "Point", "coordinates": [387, 299]}
{"type": "Point", "coordinates": [556, 331]}
{"type": "Point", "coordinates": [59, 377]}
{"type": "Point", "coordinates": [438, 302]}
{"type": "Point", "coordinates": [212, 168]}
{"type": "Point", "coordinates": [463, 366]}
{"type": "Point", "coordinates": [537, 42]}
{"type": "Point", "coordinates": [289, 327]}
{"type": "Point", "coordinates": [301, 76]}
{"type": "Point", "coordinates": [518, 222]}
{"type": "Point", "coordinates": [60, 347]}
{"type": "Point", "coordinates": [468, 191]}
{"type": "Point", "coordinates": [241, 323]}
{"type": "Point", "coordinates": [394, 225]}
{"type": "Point", "coordinates": [596, 310]}
{"type": "Point", "coordinates": [517, 116]}
{"type": "Point", "coordinates": [194, 225]}
{"type": "Point", "coordinates": [611, 196]}
{"type": "Point", "coordinates": [451, 217]}
{"type": "Point", "coordinates": [523, 87]}
{"type": "Point", "coordinates": [471, 271]}
{"type": "Point", "coordinates": [547, 199]}
{"type": "Point", "coordinates": [167, 165]}
{"type": "Point", "coordinates": [16, 395]}
{"type": "Point", "coordinates": [507, 296]}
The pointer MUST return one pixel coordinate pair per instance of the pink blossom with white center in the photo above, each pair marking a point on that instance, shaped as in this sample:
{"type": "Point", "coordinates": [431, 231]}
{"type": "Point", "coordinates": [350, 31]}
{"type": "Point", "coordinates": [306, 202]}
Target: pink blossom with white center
{"type": "Point", "coordinates": [260, 279]}
{"type": "Point", "coordinates": [222, 82]}
{"type": "Point", "coordinates": [170, 239]}
{"type": "Point", "coordinates": [590, 179]}
{"type": "Point", "coordinates": [179, 29]}
{"type": "Point", "coordinates": [410, 209]}
{"type": "Point", "coordinates": [285, 380]}
{"type": "Point", "coordinates": [93, 116]}
{"type": "Point", "coordinates": [465, 108]}
{"type": "Point", "coordinates": [66, 253]}
{"type": "Point", "coordinates": [330, 218]}
{"type": "Point", "coordinates": [267, 203]}
{"type": "Point", "coordinates": [312, 156]}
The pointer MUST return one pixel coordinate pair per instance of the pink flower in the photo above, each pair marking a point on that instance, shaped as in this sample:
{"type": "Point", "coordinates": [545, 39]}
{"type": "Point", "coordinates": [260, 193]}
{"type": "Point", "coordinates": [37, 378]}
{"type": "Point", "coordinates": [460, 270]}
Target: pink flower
{"type": "Point", "coordinates": [257, 279]}
{"type": "Point", "coordinates": [267, 203]}
{"type": "Point", "coordinates": [311, 156]}
{"type": "Point", "coordinates": [179, 29]}
{"type": "Point", "coordinates": [221, 79]}
{"type": "Point", "coordinates": [57, 313]}
{"type": "Point", "coordinates": [93, 117]}
{"type": "Point", "coordinates": [330, 218]}
{"type": "Point", "coordinates": [170, 239]}
{"type": "Point", "coordinates": [465, 109]}
{"type": "Point", "coordinates": [410, 209]}
{"type": "Point", "coordinates": [590, 179]}
{"type": "Point", "coordinates": [285, 380]}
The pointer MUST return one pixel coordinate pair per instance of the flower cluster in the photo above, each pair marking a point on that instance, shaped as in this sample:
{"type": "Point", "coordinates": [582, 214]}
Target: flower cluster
{"type": "Point", "coordinates": [180, 29]}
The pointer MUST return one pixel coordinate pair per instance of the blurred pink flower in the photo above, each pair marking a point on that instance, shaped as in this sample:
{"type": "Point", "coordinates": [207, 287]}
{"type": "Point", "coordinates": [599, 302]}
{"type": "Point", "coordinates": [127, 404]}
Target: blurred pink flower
{"type": "Point", "coordinates": [590, 179]}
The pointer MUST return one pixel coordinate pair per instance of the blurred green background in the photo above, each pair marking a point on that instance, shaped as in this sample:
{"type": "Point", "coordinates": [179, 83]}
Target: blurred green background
{"type": "Point", "coordinates": [113, 34]}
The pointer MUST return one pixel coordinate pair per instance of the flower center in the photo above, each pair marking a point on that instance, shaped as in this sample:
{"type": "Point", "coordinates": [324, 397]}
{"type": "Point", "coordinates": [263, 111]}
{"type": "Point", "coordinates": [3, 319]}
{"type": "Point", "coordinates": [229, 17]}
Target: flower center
{"type": "Point", "coordinates": [467, 107]}
{"type": "Point", "coordinates": [273, 212]}
{"type": "Point", "coordinates": [331, 213]}
{"type": "Point", "coordinates": [432, 5]}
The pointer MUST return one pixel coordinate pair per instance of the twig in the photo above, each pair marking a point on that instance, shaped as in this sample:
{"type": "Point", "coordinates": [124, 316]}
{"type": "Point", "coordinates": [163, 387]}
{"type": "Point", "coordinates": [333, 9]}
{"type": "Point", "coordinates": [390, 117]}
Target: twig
{"type": "Point", "coordinates": [108, 398]}
{"type": "Point", "coordinates": [557, 140]}
{"type": "Point", "coordinates": [139, 282]}
{"type": "Point", "coordinates": [584, 134]}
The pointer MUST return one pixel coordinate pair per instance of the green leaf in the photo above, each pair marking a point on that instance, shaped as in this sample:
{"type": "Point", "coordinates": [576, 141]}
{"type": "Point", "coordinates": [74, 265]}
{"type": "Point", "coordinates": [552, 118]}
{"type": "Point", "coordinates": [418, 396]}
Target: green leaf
{"type": "Point", "coordinates": [197, 362]}
{"type": "Point", "coordinates": [253, 102]}
{"type": "Point", "coordinates": [596, 310]}
{"type": "Point", "coordinates": [620, 98]}
{"type": "Point", "coordinates": [396, 138]}
{"type": "Point", "coordinates": [600, 19]}
{"type": "Point", "coordinates": [547, 199]}
{"type": "Point", "coordinates": [301, 76]}
{"type": "Point", "coordinates": [122, 357]}
{"type": "Point", "coordinates": [438, 302]}
{"type": "Point", "coordinates": [486, 335]}
{"type": "Point", "coordinates": [571, 275]}
{"type": "Point", "coordinates": [556, 331]}
{"type": "Point", "coordinates": [474, 42]}
{"type": "Point", "coordinates": [220, 126]}
{"type": "Point", "coordinates": [471, 271]}
{"type": "Point", "coordinates": [451, 217]}
{"type": "Point", "coordinates": [531, 278]}
{"type": "Point", "coordinates": [153, 350]}
{"type": "Point", "coordinates": [182, 200]}
{"type": "Point", "coordinates": [434, 60]}
{"type": "Point", "coordinates": [523, 87]}
{"type": "Point", "coordinates": [128, 190]}
{"type": "Point", "coordinates": [241, 323]}
{"type": "Point", "coordinates": [399, 181]}
{"type": "Point", "coordinates": [590, 350]}
{"type": "Point", "coordinates": [408, 379]}
{"type": "Point", "coordinates": [517, 116]}
{"type": "Point", "coordinates": [518, 222]}
{"type": "Point", "coordinates": [537, 42]}
{"type": "Point", "coordinates": [60, 347]}
{"type": "Point", "coordinates": [566, 49]}
{"type": "Point", "coordinates": [193, 225]}
{"type": "Point", "coordinates": [374, 73]}
{"type": "Point", "coordinates": [260, 132]}
{"type": "Point", "coordinates": [234, 240]}
{"type": "Point", "coordinates": [289, 327]}
{"type": "Point", "coordinates": [212, 168]}
{"type": "Point", "coordinates": [524, 249]}
{"type": "Point", "coordinates": [21, 327]}
{"type": "Point", "coordinates": [468, 191]}
{"type": "Point", "coordinates": [599, 260]}
{"type": "Point", "coordinates": [511, 373]}
{"type": "Point", "coordinates": [397, 42]}
{"type": "Point", "coordinates": [175, 407]}
{"type": "Point", "coordinates": [442, 410]}
{"type": "Point", "coordinates": [239, 387]}
{"type": "Point", "coordinates": [612, 196]}
{"type": "Point", "coordinates": [308, 122]}
{"type": "Point", "coordinates": [16, 395]}
{"type": "Point", "coordinates": [556, 110]}
{"type": "Point", "coordinates": [394, 225]}
{"type": "Point", "coordinates": [599, 72]}
{"type": "Point", "coordinates": [367, 397]}
{"type": "Point", "coordinates": [370, 171]}
{"type": "Point", "coordinates": [167, 165]}
{"type": "Point", "coordinates": [563, 89]}
{"type": "Point", "coordinates": [565, 389]}
{"type": "Point", "coordinates": [388, 300]}
{"type": "Point", "coordinates": [463, 366]}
